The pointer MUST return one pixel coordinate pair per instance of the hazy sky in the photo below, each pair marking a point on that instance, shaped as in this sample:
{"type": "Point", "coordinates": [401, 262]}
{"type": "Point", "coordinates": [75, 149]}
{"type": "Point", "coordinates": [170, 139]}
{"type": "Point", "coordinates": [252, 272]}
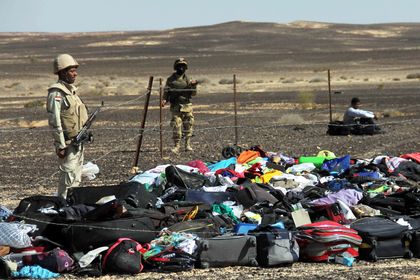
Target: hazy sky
{"type": "Point", "coordinates": [116, 15]}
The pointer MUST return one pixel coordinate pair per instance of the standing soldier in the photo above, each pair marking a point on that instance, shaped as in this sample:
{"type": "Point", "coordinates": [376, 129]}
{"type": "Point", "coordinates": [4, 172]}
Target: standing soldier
{"type": "Point", "coordinates": [178, 92]}
{"type": "Point", "coordinates": [67, 115]}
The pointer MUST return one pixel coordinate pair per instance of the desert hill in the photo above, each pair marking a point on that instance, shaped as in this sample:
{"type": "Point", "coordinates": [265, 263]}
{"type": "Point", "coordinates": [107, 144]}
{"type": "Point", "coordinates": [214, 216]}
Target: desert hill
{"type": "Point", "coordinates": [223, 48]}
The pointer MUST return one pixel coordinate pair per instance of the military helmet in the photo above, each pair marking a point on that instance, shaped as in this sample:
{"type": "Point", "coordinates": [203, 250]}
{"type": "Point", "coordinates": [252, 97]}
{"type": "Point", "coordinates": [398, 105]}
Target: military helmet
{"type": "Point", "coordinates": [181, 60]}
{"type": "Point", "coordinates": [64, 61]}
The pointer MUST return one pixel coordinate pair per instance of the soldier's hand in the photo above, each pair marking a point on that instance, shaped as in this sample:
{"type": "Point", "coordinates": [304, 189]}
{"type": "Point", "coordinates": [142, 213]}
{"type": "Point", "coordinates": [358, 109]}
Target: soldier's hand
{"type": "Point", "coordinates": [375, 117]}
{"type": "Point", "coordinates": [163, 103]}
{"type": "Point", "coordinates": [61, 153]}
{"type": "Point", "coordinates": [194, 82]}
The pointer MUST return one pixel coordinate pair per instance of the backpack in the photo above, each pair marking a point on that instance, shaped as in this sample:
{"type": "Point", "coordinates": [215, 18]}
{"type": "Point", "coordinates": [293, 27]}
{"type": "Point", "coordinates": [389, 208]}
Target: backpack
{"type": "Point", "coordinates": [124, 257]}
{"type": "Point", "coordinates": [171, 261]}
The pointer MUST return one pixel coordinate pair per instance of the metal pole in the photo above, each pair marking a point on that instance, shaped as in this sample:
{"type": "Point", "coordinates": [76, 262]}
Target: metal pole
{"type": "Point", "coordinates": [134, 168]}
{"type": "Point", "coordinates": [235, 108]}
{"type": "Point", "coordinates": [160, 118]}
{"type": "Point", "coordinates": [329, 93]}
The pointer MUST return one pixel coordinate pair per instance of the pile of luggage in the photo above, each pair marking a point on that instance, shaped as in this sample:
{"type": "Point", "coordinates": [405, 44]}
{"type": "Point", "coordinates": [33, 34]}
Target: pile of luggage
{"type": "Point", "coordinates": [254, 209]}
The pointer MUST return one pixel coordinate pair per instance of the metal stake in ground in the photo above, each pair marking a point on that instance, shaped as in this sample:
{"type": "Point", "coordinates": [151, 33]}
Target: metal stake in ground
{"type": "Point", "coordinates": [329, 93]}
{"type": "Point", "coordinates": [235, 108]}
{"type": "Point", "coordinates": [135, 168]}
{"type": "Point", "coordinates": [160, 118]}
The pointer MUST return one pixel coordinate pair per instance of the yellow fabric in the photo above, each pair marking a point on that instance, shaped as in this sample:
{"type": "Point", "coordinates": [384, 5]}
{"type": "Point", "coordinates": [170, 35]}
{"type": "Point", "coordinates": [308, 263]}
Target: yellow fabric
{"type": "Point", "coordinates": [267, 176]}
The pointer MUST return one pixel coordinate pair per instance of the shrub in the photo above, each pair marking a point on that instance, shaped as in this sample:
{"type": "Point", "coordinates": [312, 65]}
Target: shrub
{"type": "Point", "coordinates": [306, 98]}
{"type": "Point", "coordinates": [413, 76]}
{"type": "Point", "coordinates": [291, 119]}
{"type": "Point", "coordinates": [317, 80]}
{"type": "Point", "coordinates": [228, 81]}
{"type": "Point", "coordinates": [33, 104]}
{"type": "Point", "coordinates": [203, 80]}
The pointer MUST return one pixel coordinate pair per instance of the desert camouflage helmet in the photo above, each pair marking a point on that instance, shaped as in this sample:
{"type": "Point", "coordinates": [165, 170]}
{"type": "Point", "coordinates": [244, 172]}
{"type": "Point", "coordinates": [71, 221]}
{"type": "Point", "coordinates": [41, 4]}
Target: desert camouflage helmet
{"type": "Point", "coordinates": [181, 60]}
{"type": "Point", "coordinates": [64, 61]}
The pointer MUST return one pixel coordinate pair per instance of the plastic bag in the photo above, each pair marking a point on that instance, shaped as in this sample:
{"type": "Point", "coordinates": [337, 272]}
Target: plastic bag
{"type": "Point", "coordinates": [89, 170]}
{"type": "Point", "coordinates": [15, 235]}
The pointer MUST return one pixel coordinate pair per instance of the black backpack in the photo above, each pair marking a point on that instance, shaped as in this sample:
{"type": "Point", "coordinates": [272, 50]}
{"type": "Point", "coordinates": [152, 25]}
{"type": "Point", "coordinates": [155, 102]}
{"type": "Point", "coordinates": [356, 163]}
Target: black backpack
{"type": "Point", "coordinates": [123, 257]}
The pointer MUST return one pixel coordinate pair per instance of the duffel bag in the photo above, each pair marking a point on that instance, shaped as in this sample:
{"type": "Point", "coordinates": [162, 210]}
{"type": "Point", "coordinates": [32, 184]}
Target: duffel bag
{"type": "Point", "coordinates": [133, 193]}
{"type": "Point", "coordinates": [85, 236]}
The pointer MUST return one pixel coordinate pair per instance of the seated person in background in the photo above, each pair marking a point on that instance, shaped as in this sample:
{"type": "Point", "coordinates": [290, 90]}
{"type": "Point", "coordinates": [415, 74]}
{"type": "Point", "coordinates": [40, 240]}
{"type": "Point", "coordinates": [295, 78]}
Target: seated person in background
{"type": "Point", "coordinates": [353, 113]}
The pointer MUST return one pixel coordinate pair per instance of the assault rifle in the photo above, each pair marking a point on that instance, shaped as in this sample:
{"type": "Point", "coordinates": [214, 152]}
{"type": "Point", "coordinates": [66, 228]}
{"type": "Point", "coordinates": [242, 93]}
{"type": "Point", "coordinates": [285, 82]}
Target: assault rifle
{"type": "Point", "coordinates": [84, 135]}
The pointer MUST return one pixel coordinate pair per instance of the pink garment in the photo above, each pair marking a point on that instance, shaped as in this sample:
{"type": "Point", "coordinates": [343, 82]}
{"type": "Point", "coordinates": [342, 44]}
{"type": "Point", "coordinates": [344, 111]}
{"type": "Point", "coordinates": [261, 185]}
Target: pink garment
{"type": "Point", "coordinates": [201, 166]}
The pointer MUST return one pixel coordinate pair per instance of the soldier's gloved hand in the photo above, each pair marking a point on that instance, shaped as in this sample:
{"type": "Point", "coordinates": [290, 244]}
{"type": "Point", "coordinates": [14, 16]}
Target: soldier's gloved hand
{"type": "Point", "coordinates": [163, 103]}
{"type": "Point", "coordinates": [61, 153]}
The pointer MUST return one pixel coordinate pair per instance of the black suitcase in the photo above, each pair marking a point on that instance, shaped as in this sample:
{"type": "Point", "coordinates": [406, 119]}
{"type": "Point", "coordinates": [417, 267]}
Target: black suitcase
{"type": "Point", "coordinates": [339, 128]}
{"type": "Point", "coordinates": [133, 193]}
{"type": "Point", "coordinates": [204, 228]}
{"type": "Point", "coordinates": [87, 236]}
{"type": "Point", "coordinates": [227, 250]}
{"type": "Point", "coordinates": [382, 239]}
{"type": "Point", "coordinates": [275, 247]}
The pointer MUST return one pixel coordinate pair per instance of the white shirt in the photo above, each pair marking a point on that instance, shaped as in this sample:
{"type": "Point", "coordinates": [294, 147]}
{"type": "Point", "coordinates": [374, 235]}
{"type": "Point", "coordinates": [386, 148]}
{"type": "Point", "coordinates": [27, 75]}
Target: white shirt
{"type": "Point", "coordinates": [352, 113]}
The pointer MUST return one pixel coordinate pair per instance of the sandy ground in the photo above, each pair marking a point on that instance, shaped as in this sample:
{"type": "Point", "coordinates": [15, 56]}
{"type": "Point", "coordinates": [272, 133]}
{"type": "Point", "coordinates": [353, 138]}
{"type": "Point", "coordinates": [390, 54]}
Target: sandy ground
{"type": "Point", "coordinates": [282, 106]}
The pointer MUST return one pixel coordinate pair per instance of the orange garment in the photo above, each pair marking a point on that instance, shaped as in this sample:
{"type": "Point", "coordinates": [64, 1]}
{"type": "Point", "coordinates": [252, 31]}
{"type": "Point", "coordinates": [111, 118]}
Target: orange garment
{"type": "Point", "coordinates": [247, 156]}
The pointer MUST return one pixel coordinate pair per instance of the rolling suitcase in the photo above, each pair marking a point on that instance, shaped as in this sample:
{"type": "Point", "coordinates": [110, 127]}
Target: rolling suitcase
{"type": "Point", "coordinates": [227, 250]}
{"type": "Point", "coordinates": [382, 239]}
{"type": "Point", "coordinates": [275, 247]}
{"type": "Point", "coordinates": [321, 240]}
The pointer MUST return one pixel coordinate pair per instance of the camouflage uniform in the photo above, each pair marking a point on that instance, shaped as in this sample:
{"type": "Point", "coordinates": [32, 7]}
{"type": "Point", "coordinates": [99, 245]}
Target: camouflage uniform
{"type": "Point", "coordinates": [178, 91]}
{"type": "Point", "coordinates": [66, 116]}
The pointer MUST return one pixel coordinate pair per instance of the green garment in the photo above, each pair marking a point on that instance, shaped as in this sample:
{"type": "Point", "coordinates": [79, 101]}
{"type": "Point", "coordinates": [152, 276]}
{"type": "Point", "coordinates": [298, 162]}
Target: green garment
{"type": "Point", "coordinates": [224, 209]}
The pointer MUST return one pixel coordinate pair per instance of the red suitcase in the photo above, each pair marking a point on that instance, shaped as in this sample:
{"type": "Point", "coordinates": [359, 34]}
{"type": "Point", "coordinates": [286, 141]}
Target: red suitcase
{"type": "Point", "coordinates": [318, 241]}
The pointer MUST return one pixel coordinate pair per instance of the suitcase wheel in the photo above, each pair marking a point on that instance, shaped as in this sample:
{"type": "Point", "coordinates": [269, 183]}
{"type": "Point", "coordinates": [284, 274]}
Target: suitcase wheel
{"type": "Point", "coordinates": [408, 255]}
{"type": "Point", "coordinates": [253, 242]}
{"type": "Point", "coordinates": [373, 256]}
{"type": "Point", "coordinates": [254, 262]}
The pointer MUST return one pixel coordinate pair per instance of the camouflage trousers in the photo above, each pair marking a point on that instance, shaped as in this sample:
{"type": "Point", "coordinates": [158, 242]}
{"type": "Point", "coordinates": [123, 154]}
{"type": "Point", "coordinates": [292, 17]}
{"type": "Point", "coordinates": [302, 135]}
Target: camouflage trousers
{"type": "Point", "coordinates": [182, 125]}
{"type": "Point", "coordinates": [70, 169]}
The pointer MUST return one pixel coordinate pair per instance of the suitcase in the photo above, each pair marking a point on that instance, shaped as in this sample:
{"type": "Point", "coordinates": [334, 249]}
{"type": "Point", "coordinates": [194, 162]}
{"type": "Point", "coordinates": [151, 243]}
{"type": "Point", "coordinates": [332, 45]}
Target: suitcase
{"type": "Point", "coordinates": [275, 247]}
{"type": "Point", "coordinates": [321, 240]}
{"type": "Point", "coordinates": [87, 236]}
{"type": "Point", "coordinates": [204, 228]}
{"type": "Point", "coordinates": [382, 239]}
{"type": "Point", "coordinates": [227, 250]}
{"type": "Point", "coordinates": [339, 128]}
{"type": "Point", "coordinates": [132, 193]}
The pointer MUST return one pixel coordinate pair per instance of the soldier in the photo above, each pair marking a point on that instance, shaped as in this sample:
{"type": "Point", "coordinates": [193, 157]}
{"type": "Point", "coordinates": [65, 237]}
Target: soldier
{"type": "Point", "coordinates": [178, 92]}
{"type": "Point", "coordinates": [67, 115]}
